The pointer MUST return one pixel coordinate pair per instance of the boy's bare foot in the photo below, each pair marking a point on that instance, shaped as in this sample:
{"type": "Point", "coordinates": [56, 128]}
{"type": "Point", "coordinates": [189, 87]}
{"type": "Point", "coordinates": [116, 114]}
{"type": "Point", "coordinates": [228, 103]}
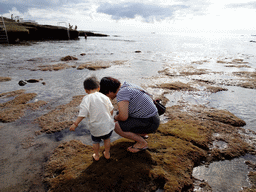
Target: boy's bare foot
{"type": "Point", "coordinates": [95, 157]}
{"type": "Point", "coordinates": [106, 155]}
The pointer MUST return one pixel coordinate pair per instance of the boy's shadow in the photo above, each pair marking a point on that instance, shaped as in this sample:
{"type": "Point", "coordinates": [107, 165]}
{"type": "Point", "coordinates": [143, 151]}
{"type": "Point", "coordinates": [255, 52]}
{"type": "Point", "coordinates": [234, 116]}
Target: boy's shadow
{"type": "Point", "coordinates": [124, 171]}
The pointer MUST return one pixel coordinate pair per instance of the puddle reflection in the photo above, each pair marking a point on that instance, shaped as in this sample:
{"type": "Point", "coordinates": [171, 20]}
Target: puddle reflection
{"type": "Point", "coordinates": [228, 175]}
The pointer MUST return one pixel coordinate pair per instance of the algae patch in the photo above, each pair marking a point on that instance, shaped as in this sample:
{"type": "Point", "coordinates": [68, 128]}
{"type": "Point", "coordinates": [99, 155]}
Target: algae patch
{"type": "Point", "coordinates": [3, 79]}
{"type": "Point", "coordinates": [59, 118]}
{"type": "Point", "coordinates": [15, 107]}
{"type": "Point", "coordinates": [174, 150]}
{"type": "Point", "coordinates": [167, 164]}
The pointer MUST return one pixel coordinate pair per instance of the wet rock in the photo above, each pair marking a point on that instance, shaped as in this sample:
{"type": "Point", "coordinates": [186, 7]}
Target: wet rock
{"type": "Point", "coordinates": [56, 67]}
{"type": "Point", "coordinates": [14, 109]}
{"type": "Point", "coordinates": [214, 115]}
{"type": "Point", "coordinates": [68, 58]}
{"type": "Point", "coordinates": [100, 64]}
{"type": "Point", "coordinates": [245, 74]}
{"type": "Point", "coordinates": [243, 79]}
{"type": "Point", "coordinates": [225, 117]}
{"type": "Point", "coordinates": [214, 89]}
{"type": "Point", "coordinates": [33, 80]}
{"type": "Point", "coordinates": [94, 66]}
{"type": "Point", "coordinates": [197, 72]}
{"type": "Point", "coordinates": [250, 84]}
{"type": "Point", "coordinates": [217, 122]}
{"type": "Point", "coordinates": [238, 61]}
{"type": "Point", "coordinates": [176, 86]}
{"type": "Point", "coordinates": [201, 185]}
{"type": "Point", "coordinates": [251, 165]}
{"type": "Point", "coordinates": [83, 54]}
{"type": "Point", "coordinates": [248, 79]}
{"type": "Point", "coordinates": [27, 31]}
{"type": "Point", "coordinates": [12, 93]}
{"type": "Point", "coordinates": [22, 83]}
{"type": "Point", "coordinates": [59, 118]}
{"type": "Point", "coordinates": [119, 62]}
{"type": "Point", "coordinates": [221, 62]}
{"type": "Point", "coordinates": [2, 79]}
{"type": "Point", "coordinates": [89, 33]}
{"type": "Point", "coordinates": [183, 71]}
{"type": "Point", "coordinates": [234, 61]}
{"type": "Point", "coordinates": [238, 66]}
{"type": "Point", "coordinates": [252, 178]}
{"type": "Point", "coordinates": [159, 167]}
{"type": "Point", "coordinates": [200, 62]}
{"type": "Point", "coordinates": [174, 150]}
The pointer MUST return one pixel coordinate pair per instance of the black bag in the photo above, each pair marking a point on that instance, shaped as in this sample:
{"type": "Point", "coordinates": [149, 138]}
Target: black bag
{"type": "Point", "coordinates": [160, 107]}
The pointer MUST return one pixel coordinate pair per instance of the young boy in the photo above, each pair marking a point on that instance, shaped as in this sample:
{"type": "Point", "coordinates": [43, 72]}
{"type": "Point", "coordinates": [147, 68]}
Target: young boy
{"type": "Point", "coordinates": [97, 108]}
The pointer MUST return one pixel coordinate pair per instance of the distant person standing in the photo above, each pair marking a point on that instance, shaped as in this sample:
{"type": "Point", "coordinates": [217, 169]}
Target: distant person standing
{"type": "Point", "coordinates": [97, 109]}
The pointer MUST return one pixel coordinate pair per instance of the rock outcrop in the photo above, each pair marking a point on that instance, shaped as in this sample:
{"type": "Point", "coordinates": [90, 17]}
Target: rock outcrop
{"type": "Point", "coordinates": [18, 32]}
{"type": "Point", "coordinates": [185, 141]}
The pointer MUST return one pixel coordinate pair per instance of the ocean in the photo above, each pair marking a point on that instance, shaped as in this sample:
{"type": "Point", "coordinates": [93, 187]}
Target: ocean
{"type": "Point", "coordinates": [142, 57]}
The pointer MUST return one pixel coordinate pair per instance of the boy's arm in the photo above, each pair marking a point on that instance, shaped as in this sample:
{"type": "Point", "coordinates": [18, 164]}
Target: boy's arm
{"type": "Point", "coordinates": [75, 124]}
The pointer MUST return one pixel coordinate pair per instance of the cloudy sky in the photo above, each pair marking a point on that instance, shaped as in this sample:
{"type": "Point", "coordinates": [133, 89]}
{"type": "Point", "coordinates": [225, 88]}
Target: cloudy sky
{"type": "Point", "coordinates": [144, 15]}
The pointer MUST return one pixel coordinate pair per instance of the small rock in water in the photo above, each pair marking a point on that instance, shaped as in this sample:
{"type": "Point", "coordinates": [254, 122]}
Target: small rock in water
{"type": "Point", "coordinates": [22, 83]}
{"type": "Point", "coordinates": [68, 58]}
{"type": "Point", "coordinates": [33, 80]}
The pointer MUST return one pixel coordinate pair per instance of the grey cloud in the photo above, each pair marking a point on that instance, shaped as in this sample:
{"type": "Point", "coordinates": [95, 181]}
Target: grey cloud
{"type": "Point", "coordinates": [130, 10]}
{"type": "Point", "coordinates": [23, 6]}
{"type": "Point", "coordinates": [251, 5]}
{"type": "Point", "coordinates": [5, 8]}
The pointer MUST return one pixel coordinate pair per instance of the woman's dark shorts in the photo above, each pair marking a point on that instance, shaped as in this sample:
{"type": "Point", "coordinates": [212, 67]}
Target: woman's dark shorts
{"type": "Point", "coordinates": [140, 125]}
{"type": "Point", "coordinates": [99, 139]}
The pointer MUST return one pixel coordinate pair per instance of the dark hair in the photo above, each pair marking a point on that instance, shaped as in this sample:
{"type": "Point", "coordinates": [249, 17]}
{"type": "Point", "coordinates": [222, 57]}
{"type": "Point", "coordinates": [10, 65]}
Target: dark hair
{"type": "Point", "coordinates": [109, 84]}
{"type": "Point", "coordinates": [91, 83]}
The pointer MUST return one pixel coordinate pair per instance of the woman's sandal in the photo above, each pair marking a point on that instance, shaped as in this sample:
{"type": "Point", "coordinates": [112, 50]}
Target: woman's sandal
{"type": "Point", "coordinates": [136, 149]}
{"type": "Point", "coordinates": [145, 137]}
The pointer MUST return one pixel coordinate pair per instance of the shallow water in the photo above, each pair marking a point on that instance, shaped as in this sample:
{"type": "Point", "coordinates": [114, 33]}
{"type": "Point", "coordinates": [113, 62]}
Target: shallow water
{"type": "Point", "coordinates": [228, 175]}
{"type": "Point", "coordinates": [158, 51]}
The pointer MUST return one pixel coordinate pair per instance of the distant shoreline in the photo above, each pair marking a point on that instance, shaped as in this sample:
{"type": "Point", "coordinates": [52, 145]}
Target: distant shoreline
{"type": "Point", "coordinates": [25, 31]}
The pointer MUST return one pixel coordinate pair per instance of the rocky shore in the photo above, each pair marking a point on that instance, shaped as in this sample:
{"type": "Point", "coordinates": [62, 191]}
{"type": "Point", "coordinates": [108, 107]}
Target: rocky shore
{"type": "Point", "coordinates": [190, 135]}
{"type": "Point", "coordinates": [27, 31]}
{"type": "Point", "coordinates": [188, 139]}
